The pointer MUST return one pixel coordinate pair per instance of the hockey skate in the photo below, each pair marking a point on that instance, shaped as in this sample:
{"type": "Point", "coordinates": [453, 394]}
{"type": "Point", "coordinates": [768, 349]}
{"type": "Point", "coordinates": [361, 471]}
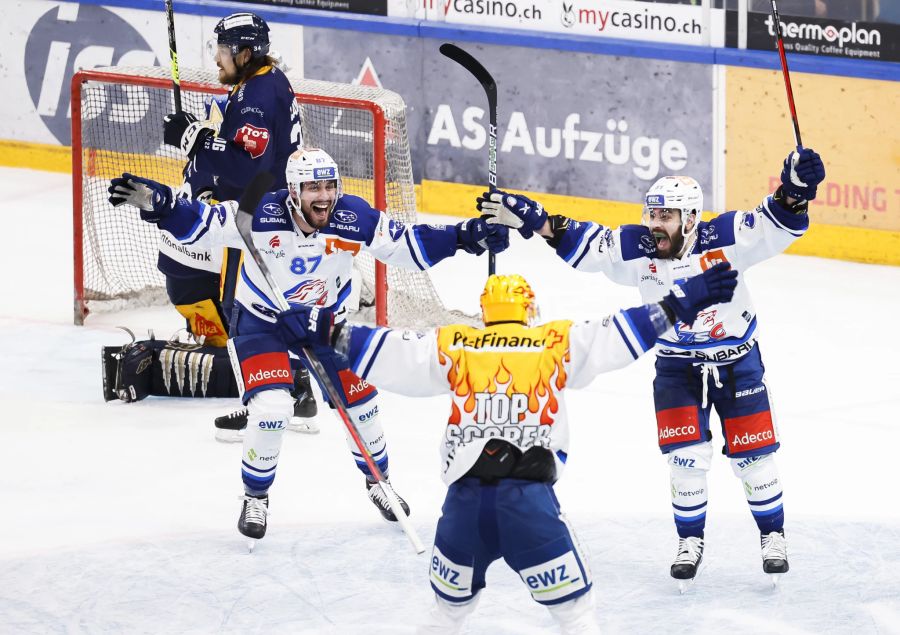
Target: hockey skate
{"type": "Point", "coordinates": [687, 561]}
{"type": "Point", "coordinates": [252, 522]}
{"type": "Point", "coordinates": [774, 555]}
{"type": "Point", "coordinates": [230, 428]}
{"type": "Point", "coordinates": [380, 501]}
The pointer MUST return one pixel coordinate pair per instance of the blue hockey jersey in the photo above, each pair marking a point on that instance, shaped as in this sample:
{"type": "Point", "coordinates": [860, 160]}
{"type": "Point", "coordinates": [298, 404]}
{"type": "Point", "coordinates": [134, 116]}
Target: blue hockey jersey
{"type": "Point", "coordinates": [313, 269]}
{"type": "Point", "coordinates": [259, 131]}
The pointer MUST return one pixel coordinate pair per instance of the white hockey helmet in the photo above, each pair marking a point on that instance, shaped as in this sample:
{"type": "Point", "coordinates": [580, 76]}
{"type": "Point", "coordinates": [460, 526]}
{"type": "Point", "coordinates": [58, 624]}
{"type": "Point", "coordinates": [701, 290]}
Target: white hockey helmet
{"type": "Point", "coordinates": [675, 192]}
{"type": "Point", "coordinates": [310, 164]}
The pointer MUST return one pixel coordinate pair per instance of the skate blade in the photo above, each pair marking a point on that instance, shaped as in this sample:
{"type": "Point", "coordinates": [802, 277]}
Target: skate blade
{"type": "Point", "coordinates": [774, 578]}
{"type": "Point", "coordinates": [251, 544]}
{"type": "Point", "coordinates": [685, 585]}
{"type": "Point", "coordinates": [303, 425]}
{"type": "Point", "coordinates": [228, 436]}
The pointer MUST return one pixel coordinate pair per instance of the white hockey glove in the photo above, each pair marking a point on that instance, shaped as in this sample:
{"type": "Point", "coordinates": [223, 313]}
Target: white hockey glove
{"type": "Point", "coordinates": [512, 210]}
{"type": "Point", "coordinates": [155, 200]}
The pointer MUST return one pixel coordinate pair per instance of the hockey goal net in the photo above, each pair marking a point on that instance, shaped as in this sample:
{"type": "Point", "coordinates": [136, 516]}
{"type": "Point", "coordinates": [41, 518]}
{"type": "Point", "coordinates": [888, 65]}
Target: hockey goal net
{"type": "Point", "coordinates": [117, 117]}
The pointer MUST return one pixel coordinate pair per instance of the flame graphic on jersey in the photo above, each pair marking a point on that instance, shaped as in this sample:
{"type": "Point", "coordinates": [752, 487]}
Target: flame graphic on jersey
{"type": "Point", "coordinates": [506, 358]}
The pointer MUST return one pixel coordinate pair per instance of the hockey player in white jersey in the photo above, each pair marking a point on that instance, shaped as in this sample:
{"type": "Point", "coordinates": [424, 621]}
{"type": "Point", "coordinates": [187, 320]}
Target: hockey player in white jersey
{"type": "Point", "coordinates": [714, 362]}
{"type": "Point", "coordinates": [507, 437]}
{"type": "Point", "coordinates": [308, 235]}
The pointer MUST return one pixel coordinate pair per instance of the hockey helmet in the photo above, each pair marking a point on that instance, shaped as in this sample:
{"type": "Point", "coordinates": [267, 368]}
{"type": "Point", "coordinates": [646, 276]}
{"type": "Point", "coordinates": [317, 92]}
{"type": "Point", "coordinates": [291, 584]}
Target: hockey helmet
{"type": "Point", "coordinates": [675, 192]}
{"type": "Point", "coordinates": [508, 298]}
{"type": "Point", "coordinates": [243, 30]}
{"type": "Point", "coordinates": [310, 164]}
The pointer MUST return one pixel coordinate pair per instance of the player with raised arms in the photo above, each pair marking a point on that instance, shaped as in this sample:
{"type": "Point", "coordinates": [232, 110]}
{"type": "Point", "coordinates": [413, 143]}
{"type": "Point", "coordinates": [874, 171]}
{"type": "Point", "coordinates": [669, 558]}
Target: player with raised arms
{"type": "Point", "coordinates": [507, 436]}
{"type": "Point", "coordinates": [713, 362]}
{"type": "Point", "coordinates": [308, 235]}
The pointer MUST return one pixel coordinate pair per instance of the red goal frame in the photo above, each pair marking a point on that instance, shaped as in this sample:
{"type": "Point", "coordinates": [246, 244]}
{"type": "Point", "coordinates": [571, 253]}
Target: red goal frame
{"type": "Point", "coordinates": [78, 160]}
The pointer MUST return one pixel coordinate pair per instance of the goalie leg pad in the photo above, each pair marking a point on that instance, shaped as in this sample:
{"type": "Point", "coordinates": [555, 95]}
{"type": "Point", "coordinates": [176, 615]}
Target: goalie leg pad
{"type": "Point", "coordinates": [762, 487]}
{"type": "Point", "coordinates": [688, 467]}
{"type": "Point", "coordinates": [127, 371]}
{"type": "Point", "coordinates": [268, 414]}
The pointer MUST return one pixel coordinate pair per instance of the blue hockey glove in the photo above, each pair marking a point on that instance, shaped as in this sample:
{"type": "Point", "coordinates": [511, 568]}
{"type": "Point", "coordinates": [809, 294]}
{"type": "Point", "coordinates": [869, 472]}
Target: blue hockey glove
{"type": "Point", "coordinates": [475, 235]}
{"type": "Point", "coordinates": [184, 131]}
{"type": "Point", "coordinates": [512, 210]}
{"type": "Point", "coordinates": [802, 172]}
{"type": "Point", "coordinates": [155, 200]}
{"type": "Point", "coordinates": [714, 286]}
{"type": "Point", "coordinates": [306, 325]}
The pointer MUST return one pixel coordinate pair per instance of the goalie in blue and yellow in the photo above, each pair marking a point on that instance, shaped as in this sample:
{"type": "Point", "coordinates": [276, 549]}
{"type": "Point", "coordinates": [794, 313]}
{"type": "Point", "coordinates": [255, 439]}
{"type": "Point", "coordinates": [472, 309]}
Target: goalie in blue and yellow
{"type": "Point", "coordinates": [507, 438]}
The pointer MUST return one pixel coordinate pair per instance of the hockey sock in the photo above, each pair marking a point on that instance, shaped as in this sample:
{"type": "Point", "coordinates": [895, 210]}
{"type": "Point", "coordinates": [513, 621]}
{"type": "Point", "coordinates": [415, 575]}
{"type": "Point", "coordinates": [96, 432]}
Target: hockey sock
{"type": "Point", "coordinates": [268, 414]}
{"type": "Point", "coordinates": [447, 618]}
{"type": "Point", "coordinates": [762, 487]}
{"type": "Point", "coordinates": [576, 616]}
{"type": "Point", "coordinates": [688, 467]}
{"type": "Point", "coordinates": [366, 418]}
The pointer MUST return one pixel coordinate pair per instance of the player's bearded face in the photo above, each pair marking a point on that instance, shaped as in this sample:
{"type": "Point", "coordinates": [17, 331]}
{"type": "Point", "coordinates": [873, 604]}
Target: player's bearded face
{"type": "Point", "coordinates": [228, 71]}
{"type": "Point", "coordinates": [317, 198]}
{"type": "Point", "coordinates": [665, 225]}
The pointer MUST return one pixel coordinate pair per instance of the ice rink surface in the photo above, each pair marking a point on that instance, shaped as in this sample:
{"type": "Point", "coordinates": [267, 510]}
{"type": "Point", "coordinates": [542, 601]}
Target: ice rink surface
{"type": "Point", "coordinates": [121, 517]}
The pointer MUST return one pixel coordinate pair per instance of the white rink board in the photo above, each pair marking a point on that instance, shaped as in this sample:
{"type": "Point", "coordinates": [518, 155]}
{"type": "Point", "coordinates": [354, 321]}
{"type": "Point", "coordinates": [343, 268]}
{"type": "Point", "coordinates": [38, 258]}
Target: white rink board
{"type": "Point", "coordinates": [121, 517]}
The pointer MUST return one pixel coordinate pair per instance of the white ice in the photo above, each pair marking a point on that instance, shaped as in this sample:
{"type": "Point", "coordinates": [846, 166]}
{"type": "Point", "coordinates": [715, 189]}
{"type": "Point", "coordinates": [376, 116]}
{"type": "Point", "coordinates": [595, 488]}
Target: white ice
{"type": "Point", "coordinates": [121, 517]}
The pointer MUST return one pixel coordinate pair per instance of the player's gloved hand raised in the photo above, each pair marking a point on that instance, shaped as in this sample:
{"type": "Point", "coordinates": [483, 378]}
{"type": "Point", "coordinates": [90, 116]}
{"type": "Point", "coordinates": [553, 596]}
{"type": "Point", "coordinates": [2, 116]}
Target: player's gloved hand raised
{"type": "Point", "coordinates": [475, 235]}
{"type": "Point", "coordinates": [304, 325]}
{"type": "Point", "coordinates": [183, 130]}
{"type": "Point", "coordinates": [714, 286]}
{"type": "Point", "coordinates": [512, 210]}
{"type": "Point", "coordinates": [155, 200]}
{"type": "Point", "coordinates": [802, 172]}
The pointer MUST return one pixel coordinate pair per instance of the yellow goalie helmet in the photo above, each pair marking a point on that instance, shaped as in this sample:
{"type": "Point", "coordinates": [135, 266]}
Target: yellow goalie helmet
{"type": "Point", "coordinates": [508, 298]}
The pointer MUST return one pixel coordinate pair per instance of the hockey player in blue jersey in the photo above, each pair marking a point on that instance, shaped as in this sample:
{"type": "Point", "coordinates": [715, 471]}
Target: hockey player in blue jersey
{"type": "Point", "coordinates": [714, 362]}
{"type": "Point", "coordinates": [254, 128]}
{"type": "Point", "coordinates": [308, 235]}
{"type": "Point", "coordinates": [507, 436]}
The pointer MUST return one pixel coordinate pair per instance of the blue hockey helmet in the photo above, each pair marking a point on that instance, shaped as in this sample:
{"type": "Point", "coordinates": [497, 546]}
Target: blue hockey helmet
{"type": "Point", "coordinates": [243, 30]}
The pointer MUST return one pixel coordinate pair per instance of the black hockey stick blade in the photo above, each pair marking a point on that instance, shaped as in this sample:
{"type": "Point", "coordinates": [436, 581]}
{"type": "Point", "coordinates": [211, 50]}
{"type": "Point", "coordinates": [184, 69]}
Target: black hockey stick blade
{"type": "Point", "coordinates": [464, 59]}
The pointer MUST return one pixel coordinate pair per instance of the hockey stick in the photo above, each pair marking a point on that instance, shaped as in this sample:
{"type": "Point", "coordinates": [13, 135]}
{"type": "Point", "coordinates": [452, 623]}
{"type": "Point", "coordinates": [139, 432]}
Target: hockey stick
{"type": "Point", "coordinates": [487, 82]}
{"type": "Point", "coordinates": [173, 56]}
{"type": "Point", "coordinates": [244, 221]}
{"type": "Point", "coordinates": [779, 40]}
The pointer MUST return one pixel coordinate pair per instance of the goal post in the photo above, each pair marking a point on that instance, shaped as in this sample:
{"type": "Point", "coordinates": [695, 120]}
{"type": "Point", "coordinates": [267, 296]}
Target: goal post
{"type": "Point", "coordinates": [117, 127]}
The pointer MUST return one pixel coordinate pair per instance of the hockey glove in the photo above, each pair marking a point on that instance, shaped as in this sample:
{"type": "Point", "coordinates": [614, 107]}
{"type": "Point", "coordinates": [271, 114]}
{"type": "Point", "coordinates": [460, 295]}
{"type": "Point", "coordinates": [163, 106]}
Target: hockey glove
{"type": "Point", "coordinates": [512, 210]}
{"type": "Point", "coordinates": [304, 325]}
{"type": "Point", "coordinates": [184, 131]}
{"type": "Point", "coordinates": [155, 200]}
{"type": "Point", "coordinates": [716, 285]}
{"type": "Point", "coordinates": [802, 172]}
{"type": "Point", "coordinates": [475, 236]}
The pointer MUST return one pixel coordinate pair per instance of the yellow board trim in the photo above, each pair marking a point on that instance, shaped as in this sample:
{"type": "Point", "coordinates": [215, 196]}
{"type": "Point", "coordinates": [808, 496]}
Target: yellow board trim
{"type": "Point", "coordinates": [35, 156]}
{"type": "Point", "coordinates": [456, 199]}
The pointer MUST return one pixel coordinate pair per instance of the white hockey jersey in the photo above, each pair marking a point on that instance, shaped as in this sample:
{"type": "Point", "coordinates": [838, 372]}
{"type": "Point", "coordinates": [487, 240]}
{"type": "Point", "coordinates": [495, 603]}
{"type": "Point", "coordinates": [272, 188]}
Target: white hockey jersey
{"type": "Point", "coordinates": [506, 381]}
{"type": "Point", "coordinates": [314, 269]}
{"type": "Point", "coordinates": [627, 255]}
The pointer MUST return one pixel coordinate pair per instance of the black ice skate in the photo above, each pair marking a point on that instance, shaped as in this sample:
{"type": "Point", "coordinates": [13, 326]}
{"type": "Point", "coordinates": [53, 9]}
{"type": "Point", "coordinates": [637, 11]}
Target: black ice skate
{"type": "Point", "coordinates": [774, 554]}
{"type": "Point", "coordinates": [230, 428]}
{"type": "Point", "coordinates": [687, 561]}
{"type": "Point", "coordinates": [380, 501]}
{"type": "Point", "coordinates": [252, 522]}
